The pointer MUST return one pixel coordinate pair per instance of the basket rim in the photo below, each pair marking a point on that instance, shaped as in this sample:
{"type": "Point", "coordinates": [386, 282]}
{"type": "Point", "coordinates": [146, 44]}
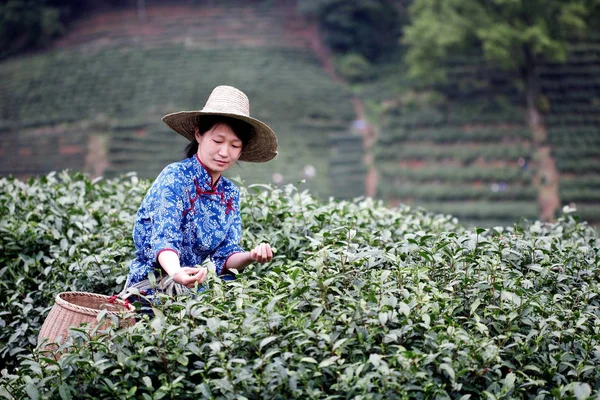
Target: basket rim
{"type": "Point", "coordinates": [62, 300]}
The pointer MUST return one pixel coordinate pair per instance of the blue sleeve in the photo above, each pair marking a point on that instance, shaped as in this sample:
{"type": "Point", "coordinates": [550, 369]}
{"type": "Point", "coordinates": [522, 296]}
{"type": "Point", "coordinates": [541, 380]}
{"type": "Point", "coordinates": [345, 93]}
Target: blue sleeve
{"type": "Point", "coordinates": [165, 209]}
{"type": "Point", "coordinates": [230, 244]}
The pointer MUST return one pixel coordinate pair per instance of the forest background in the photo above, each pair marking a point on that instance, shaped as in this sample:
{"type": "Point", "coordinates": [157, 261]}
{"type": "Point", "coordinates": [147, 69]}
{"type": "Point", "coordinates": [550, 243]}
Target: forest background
{"type": "Point", "coordinates": [487, 111]}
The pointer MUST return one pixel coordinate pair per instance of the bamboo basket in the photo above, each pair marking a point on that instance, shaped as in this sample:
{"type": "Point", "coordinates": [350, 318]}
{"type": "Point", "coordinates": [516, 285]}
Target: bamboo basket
{"type": "Point", "coordinates": [71, 309]}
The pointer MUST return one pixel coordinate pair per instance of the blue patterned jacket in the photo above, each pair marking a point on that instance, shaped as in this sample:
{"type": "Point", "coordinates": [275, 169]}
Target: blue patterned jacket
{"type": "Point", "coordinates": [184, 213]}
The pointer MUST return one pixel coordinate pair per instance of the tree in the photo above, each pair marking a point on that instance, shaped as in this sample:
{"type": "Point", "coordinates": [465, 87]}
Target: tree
{"type": "Point", "coordinates": [514, 35]}
{"type": "Point", "coordinates": [27, 24]}
{"type": "Point", "coordinates": [517, 35]}
{"type": "Point", "coordinates": [366, 27]}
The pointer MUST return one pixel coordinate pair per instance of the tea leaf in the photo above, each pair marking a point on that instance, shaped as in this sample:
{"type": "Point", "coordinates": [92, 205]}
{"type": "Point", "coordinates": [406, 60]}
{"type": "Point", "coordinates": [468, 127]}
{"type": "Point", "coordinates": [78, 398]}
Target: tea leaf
{"type": "Point", "coordinates": [448, 370]}
{"type": "Point", "coordinates": [404, 308]}
{"type": "Point", "coordinates": [266, 341]}
{"type": "Point", "coordinates": [581, 390]}
{"type": "Point", "coordinates": [328, 361]}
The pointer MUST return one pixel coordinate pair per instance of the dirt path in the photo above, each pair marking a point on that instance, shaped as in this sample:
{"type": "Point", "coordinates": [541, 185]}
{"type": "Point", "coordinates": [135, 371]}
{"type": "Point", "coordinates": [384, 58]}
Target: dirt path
{"type": "Point", "coordinates": [316, 44]}
{"type": "Point", "coordinates": [547, 184]}
{"type": "Point", "coordinates": [369, 134]}
{"type": "Point", "coordinates": [546, 177]}
{"type": "Point", "coordinates": [368, 131]}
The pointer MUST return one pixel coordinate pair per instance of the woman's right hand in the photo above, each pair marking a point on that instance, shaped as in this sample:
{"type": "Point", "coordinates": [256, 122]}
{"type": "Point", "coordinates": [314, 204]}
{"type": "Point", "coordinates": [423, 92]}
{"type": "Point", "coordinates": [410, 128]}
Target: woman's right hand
{"type": "Point", "coordinates": [188, 276]}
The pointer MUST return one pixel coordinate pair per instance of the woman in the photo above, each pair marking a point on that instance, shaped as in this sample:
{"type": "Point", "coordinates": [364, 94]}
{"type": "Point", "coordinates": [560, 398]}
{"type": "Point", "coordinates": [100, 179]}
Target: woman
{"type": "Point", "coordinates": [192, 212]}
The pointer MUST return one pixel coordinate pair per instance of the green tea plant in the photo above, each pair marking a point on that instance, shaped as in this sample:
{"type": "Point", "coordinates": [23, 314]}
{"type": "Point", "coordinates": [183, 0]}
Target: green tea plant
{"type": "Point", "coordinates": [361, 301]}
{"type": "Point", "coordinates": [61, 232]}
{"type": "Point", "coordinates": [424, 151]}
{"type": "Point", "coordinates": [454, 174]}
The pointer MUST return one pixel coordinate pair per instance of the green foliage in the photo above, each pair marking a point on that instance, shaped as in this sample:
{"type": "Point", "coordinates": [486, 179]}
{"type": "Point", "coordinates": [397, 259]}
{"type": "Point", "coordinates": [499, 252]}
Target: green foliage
{"type": "Point", "coordinates": [436, 30]}
{"type": "Point", "coordinates": [589, 181]}
{"type": "Point", "coordinates": [61, 232]}
{"type": "Point", "coordinates": [25, 24]}
{"type": "Point", "coordinates": [361, 301]}
{"type": "Point", "coordinates": [580, 166]}
{"type": "Point", "coordinates": [460, 152]}
{"type": "Point", "coordinates": [413, 100]}
{"type": "Point", "coordinates": [584, 194]}
{"type": "Point", "coordinates": [483, 211]}
{"type": "Point", "coordinates": [453, 173]}
{"type": "Point", "coordinates": [368, 27]}
{"type": "Point", "coordinates": [452, 192]}
{"type": "Point", "coordinates": [353, 67]}
{"type": "Point", "coordinates": [516, 35]}
{"type": "Point", "coordinates": [479, 134]}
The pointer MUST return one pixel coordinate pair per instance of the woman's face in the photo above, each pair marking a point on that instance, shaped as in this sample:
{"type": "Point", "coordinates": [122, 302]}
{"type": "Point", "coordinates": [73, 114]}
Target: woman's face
{"type": "Point", "coordinates": [218, 149]}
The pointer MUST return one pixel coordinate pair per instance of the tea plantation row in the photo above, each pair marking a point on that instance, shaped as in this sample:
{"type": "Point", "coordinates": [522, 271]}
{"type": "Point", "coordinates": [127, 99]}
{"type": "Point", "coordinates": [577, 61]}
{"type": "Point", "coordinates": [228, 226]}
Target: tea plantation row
{"type": "Point", "coordinates": [361, 301]}
{"type": "Point", "coordinates": [100, 98]}
{"type": "Point", "coordinates": [475, 123]}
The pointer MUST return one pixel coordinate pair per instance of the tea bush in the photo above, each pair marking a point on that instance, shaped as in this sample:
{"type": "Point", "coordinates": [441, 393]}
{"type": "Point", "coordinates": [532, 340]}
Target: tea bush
{"type": "Point", "coordinates": [61, 232]}
{"type": "Point", "coordinates": [361, 301]}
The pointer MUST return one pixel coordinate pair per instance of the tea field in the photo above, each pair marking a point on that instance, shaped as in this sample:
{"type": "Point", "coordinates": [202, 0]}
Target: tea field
{"type": "Point", "coordinates": [362, 301]}
{"type": "Point", "coordinates": [111, 80]}
{"type": "Point", "coordinates": [464, 147]}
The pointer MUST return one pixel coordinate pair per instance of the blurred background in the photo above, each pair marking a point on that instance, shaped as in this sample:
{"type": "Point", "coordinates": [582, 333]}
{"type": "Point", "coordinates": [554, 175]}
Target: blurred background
{"type": "Point", "coordinates": [488, 110]}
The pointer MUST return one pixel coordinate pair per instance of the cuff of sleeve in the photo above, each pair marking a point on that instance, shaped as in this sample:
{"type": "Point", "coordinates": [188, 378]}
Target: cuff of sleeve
{"type": "Point", "coordinates": [224, 266]}
{"type": "Point", "coordinates": [168, 249]}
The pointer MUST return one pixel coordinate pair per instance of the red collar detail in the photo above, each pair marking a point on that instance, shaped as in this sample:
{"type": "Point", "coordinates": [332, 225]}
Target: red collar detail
{"type": "Point", "coordinates": [229, 206]}
{"type": "Point", "coordinates": [211, 192]}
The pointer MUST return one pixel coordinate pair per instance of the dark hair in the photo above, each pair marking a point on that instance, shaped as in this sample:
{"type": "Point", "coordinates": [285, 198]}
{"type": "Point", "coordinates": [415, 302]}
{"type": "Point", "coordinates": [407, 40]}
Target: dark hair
{"type": "Point", "coordinates": [242, 130]}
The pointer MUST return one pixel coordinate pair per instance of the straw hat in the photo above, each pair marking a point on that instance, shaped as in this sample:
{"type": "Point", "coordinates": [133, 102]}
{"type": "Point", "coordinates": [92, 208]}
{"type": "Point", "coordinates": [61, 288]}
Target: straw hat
{"type": "Point", "coordinates": [230, 102]}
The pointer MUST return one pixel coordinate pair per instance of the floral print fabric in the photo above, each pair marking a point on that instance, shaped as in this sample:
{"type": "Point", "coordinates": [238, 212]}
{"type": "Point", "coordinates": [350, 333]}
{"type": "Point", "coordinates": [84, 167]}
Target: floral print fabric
{"type": "Point", "coordinates": [183, 212]}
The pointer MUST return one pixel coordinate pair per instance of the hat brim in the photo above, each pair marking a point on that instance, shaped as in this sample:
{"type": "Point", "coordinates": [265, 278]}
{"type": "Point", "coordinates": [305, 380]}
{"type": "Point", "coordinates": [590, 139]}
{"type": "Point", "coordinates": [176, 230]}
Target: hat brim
{"type": "Point", "coordinates": [261, 147]}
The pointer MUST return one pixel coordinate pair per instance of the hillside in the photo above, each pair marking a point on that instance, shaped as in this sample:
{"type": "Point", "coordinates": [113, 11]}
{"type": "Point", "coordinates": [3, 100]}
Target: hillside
{"type": "Point", "coordinates": [94, 101]}
{"type": "Point", "coordinates": [573, 119]}
{"type": "Point", "coordinates": [465, 148]}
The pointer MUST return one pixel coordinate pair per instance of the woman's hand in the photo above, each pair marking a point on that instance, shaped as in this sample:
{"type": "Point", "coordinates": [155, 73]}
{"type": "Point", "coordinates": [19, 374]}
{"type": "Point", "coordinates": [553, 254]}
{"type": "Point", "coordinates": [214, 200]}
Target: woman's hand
{"type": "Point", "coordinates": [262, 253]}
{"type": "Point", "coordinates": [238, 261]}
{"type": "Point", "coordinates": [188, 276]}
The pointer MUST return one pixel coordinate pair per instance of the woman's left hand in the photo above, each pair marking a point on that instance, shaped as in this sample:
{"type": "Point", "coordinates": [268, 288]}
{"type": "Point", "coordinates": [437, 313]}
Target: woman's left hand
{"type": "Point", "coordinates": [262, 253]}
